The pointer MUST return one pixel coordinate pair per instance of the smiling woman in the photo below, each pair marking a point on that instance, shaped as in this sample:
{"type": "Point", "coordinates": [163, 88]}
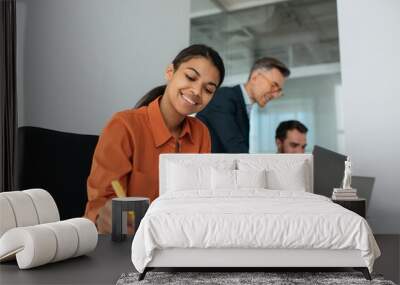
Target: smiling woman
{"type": "Point", "coordinates": [129, 146]}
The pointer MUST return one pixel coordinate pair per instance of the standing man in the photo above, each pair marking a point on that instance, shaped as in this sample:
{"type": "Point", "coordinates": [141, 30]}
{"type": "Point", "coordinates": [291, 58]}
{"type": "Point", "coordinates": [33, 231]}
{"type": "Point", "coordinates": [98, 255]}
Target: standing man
{"type": "Point", "coordinates": [291, 137]}
{"type": "Point", "coordinates": [227, 115]}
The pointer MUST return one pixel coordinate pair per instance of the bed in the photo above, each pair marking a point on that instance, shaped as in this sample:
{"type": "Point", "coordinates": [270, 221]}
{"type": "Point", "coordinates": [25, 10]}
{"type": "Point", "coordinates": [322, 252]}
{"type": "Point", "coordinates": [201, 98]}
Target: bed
{"type": "Point", "coordinates": [247, 210]}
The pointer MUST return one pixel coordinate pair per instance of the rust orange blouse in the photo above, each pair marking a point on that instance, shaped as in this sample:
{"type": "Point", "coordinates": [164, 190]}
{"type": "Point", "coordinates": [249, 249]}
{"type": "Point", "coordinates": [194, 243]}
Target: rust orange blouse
{"type": "Point", "coordinates": [129, 148]}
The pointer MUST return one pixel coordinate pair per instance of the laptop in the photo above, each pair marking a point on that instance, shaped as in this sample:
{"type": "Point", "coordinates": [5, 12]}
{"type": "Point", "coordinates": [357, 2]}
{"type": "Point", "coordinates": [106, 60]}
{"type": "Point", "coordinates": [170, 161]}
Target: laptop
{"type": "Point", "coordinates": [328, 170]}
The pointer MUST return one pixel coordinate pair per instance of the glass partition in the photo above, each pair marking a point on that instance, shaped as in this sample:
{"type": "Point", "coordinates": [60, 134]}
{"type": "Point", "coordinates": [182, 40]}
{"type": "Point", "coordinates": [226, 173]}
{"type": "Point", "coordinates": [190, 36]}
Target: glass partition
{"type": "Point", "coordinates": [304, 35]}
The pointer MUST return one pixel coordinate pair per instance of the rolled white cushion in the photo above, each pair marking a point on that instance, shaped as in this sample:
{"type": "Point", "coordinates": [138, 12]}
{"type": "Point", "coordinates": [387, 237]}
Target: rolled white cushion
{"type": "Point", "coordinates": [67, 240]}
{"type": "Point", "coordinates": [7, 218]}
{"type": "Point", "coordinates": [34, 245]}
{"type": "Point", "coordinates": [23, 208]}
{"type": "Point", "coordinates": [40, 244]}
{"type": "Point", "coordinates": [45, 205]}
{"type": "Point", "coordinates": [87, 235]}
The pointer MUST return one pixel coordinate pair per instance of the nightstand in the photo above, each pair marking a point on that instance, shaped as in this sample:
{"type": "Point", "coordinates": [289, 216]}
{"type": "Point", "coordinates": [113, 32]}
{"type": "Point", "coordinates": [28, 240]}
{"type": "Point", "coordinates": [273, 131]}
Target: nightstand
{"type": "Point", "coordinates": [358, 206]}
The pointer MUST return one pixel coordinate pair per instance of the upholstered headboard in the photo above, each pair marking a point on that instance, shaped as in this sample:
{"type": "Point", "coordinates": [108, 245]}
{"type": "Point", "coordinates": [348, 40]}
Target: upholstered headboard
{"type": "Point", "coordinates": [283, 163]}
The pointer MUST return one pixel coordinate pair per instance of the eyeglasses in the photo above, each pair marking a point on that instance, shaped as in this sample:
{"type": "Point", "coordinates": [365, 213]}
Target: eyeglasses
{"type": "Point", "coordinates": [276, 88]}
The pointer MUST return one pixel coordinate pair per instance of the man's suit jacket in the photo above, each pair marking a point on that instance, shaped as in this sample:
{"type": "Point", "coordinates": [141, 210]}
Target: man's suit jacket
{"type": "Point", "coordinates": [227, 120]}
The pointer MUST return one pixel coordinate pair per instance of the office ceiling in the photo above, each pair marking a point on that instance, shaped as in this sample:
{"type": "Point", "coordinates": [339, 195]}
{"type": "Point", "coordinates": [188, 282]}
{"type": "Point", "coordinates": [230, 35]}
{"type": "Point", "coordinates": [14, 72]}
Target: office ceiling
{"type": "Point", "coordinates": [298, 32]}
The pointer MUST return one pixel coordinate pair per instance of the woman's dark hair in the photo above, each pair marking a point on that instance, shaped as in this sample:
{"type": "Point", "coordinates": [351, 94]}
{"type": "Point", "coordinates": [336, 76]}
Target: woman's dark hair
{"type": "Point", "coordinates": [184, 55]}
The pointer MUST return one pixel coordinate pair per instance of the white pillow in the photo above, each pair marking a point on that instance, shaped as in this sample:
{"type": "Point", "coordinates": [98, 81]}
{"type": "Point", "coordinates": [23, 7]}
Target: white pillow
{"type": "Point", "coordinates": [285, 172]}
{"type": "Point", "coordinates": [189, 174]}
{"type": "Point", "coordinates": [251, 178]}
{"type": "Point", "coordinates": [289, 179]}
{"type": "Point", "coordinates": [223, 179]}
{"type": "Point", "coordinates": [235, 179]}
{"type": "Point", "coordinates": [183, 177]}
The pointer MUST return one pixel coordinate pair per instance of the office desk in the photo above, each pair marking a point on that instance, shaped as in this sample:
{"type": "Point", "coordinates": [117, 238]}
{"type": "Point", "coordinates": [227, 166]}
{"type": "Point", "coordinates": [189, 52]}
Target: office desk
{"type": "Point", "coordinates": [104, 265]}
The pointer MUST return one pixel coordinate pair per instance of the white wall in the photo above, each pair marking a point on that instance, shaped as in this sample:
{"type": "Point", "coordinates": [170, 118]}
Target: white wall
{"type": "Point", "coordinates": [369, 33]}
{"type": "Point", "coordinates": [79, 61]}
{"type": "Point", "coordinates": [321, 91]}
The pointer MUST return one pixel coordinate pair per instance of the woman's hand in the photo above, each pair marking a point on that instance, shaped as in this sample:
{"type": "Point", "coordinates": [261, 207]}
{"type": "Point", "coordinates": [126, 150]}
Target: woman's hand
{"type": "Point", "coordinates": [104, 220]}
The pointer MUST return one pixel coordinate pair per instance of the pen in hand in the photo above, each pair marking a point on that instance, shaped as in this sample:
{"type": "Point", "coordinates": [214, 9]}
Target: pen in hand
{"type": "Point", "coordinates": [119, 191]}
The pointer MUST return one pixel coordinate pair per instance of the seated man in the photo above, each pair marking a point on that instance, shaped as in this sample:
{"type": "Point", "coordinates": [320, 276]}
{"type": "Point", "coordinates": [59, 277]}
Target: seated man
{"type": "Point", "coordinates": [291, 137]}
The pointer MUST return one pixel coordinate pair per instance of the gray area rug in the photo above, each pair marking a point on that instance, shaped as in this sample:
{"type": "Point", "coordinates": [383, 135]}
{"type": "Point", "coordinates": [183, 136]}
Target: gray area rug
{"type": "Point", "coordinates": [228, 278]}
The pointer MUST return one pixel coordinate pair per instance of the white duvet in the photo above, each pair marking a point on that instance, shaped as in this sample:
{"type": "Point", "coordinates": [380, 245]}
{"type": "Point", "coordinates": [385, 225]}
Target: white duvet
{"type": "Point", "coordinates": [253, 218]}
